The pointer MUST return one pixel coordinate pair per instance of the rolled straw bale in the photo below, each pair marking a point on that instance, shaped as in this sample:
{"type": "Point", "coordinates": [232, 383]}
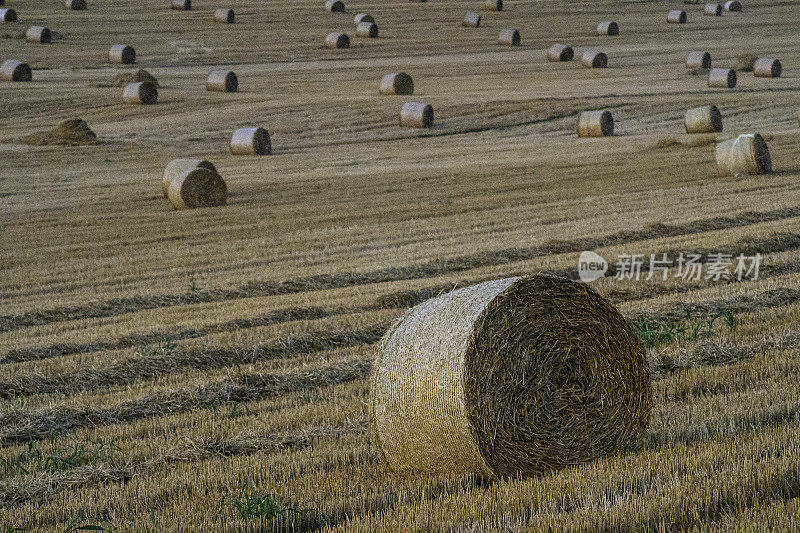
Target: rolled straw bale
{"type": "Point", "coordinates": [767, 67]}
{"type": "Point", "coordinates": [15, 70]}
{"type": "Point", "coordinates": [471, 20]}
{"type": "Point", "coordinates": [122, 53]}
{"type": "Point", "coordinates": [595, 124]}
{"type": "Point", "coordinates": [337, 40]}
{"type": "Point", "coordinates": [560, 52]}
{"type": "Point", "coordinates": [509, 37]}
{"type": "Point", "coordinates": [8, 15]}
{"type": "Point", "coordinates": [182, 5]}
{"type": "Point", "coordinates": [397, 83]}
{"type": "Point", "coordinates": [222, 81]}
{"type": "Point", "coordinates": [608, 27]}
{"type": "Point", "coordinates": [712, 10]}
{"type": "Point", "coordinates": [367, 29]}
{"type": "Point", "coordinates": [334, 6]}
{"type": "Point", "coordinates": [510, 377]}
{"type": "Point", "coordinates": [225, 16]}
{"type": "Point", "coordinates": [706, 119]}
{"type": "Point", "coordinates": [251, 141]}
{"type": "Point", "coordinates": [733, 5]}
{"type": "Point", "coordinates": [363, 17]}
{"type": "Point", "coordinates": [698, 59]}
{"type": "Point", "coordinates": [676, 16]}
{"type": "Point", "coordinates": [594, 59]}
{"type": "Point", "coordinates": [416, 115]}
{"type": "Point", "coordinates": [177, 167]}
{"type": "Point", "coordinates": [38, 34]}
{"type": "Point", "coordinates": [722, 77]}
{"type": "Point", "coordinates": [76, 5]}
{"type": "Point", "coordinates": [493, 5]}
{"type": "Point", "coordinates": [143, 92]}
{"type": "Point", "coordinates": [198, 187]}
{"type": "Point", "coordinates": [746, 154]}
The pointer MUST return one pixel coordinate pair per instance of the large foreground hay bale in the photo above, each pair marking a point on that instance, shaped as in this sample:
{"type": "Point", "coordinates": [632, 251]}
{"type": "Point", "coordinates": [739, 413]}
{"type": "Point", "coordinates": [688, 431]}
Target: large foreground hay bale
{"type": "Point", "coordinates": [767, 67]}
{"type": "Point", "coordinates": [182, 5]}
{"type": "Point", "coordinates": [122, 53]}
{"type": "Point", "coordinates": [676, 16]}
{"type": "Point", "coordinates": [722, 77]}
{"type": "Point", "coordinates": [560, 52]}
{"type": "Point", "coordinates": [698, 60]}
{"type": "Point", "coordinates": [39, 34]}
{"type": "Point", "coordinates": [224, 16]}
{"type": "Point", "coordinates": [367, 29]}
{"type": "Point", "coordinates": [397, 83]}
{"type": "Point", "coordinates": [72, 132]}
{"type": "Point", "coordinates": [595, 124]}
{"type": "Point", "coordinates": [8, 15]}
{"type": "Point", "coordinates": [176, 167]}
{"type": "Point", "coordinates": [198, 187]}
{"type": "Point", "coordinates": [594, 59]}
{"type": "Point", "coordinates": [733, 5]}
{"type": "Point", "coordinates": [509, 37]}
{"type": "Point", "coordinates": [416, 115]}
{"type": "Point", "coordinates": [493, 5]}
{"type": "Point", "coordinates": [607, 27]}
{"type": "Point", "coordinates": [712, 10]}
{"type": "Point", "coordinates": [746, 154]}
{"type": "Point", "coordinates": [334, 6]}
{"type": "Point", "coordinates": [76, 5]}
{"type": "Point", "coordinates": [511, 377]}
{"type": "Point", "coordinates": [363, 17]}
{"type": "Point", "coordinates": [222, 81]}
{"type": "Point", "coordinates": [471, 20]}
{"type": "Point", "coordinates": [706, 119]}
{"type": "Point", "coordinates": [15, 70]}
{"type": "Point", "coordinates": [251, 141]}
{"type": "Point", "coordinates": [337, 40]}
{"type": "Point", "coordinates": [143, 92]}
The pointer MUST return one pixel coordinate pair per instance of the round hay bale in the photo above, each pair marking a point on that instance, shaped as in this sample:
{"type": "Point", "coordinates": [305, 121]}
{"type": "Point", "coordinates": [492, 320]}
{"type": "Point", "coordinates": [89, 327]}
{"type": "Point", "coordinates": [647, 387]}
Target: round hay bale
{"type": "Point", "coordinates": [722, 77]}
{"type": "Point", "coordinates": [8, 15]}
{"type": "Point", "coordinates": [142, 92]}
{"type": "Point", "coordinates": [746, 154]}
{"type": "Point", "coordinates": [363, 17]}
{"type": "Point", "coordinates": [182, 5]}
{"type": "Point", "coordinates": [224, 81]}
{"type": "Point", "coordinates": [471, 20]}
{"type": "Point", "coordinates": [509, 37]}
{"type": "Point", "coordinates": [337, 40]}
{"type": "Point", "coordinates": [38, 34]}
{"type": "Point", "coordinates": [733, 5]}
{"type": "Point", "coordinates": [335, 6]}
{"type": "Point", "coordinates": [251, 141]}
{"type": "Point", "coordinates": [595, 124]}
{"type": "Point", "coordinates": [594, 59]}
{"type": "Point", "coordinates": [712, 10]}
{"type": "Point", "coordinates": [198, 187]}
{"type": "Point", "coordinates": [225, 16]}
{"type": "Point", "coordinates": [76, 5]}
{"type": "Point", "coordinates": [767, 67]}
{"type": "Point", "coordinates": [122, 53]}
{"type": "Point", "coordinates": [698, 60]}
{"type": "Point", "coordinates": [15, 70]}
{"type": "Point", "coordinates": [367, 29]}
{"type": "Point", "coordinates": [510, 377]}
{"type": "Point", "coordinates": [607, 27]}
{"type": "Point", "coordinates": [706, 119]}
{"type": "Point", "coordinates": [397, 83]}
{"type": "Point", "coordinates": [416, 115]}
{"type": "Point", "coordinates": [493, 5]}
{"type": "Point", "coordinates": [560, 52]}
{"type": "Point", "coordinates": [177, 167]}
{"type": "Point", "coordinates": [676, 16]}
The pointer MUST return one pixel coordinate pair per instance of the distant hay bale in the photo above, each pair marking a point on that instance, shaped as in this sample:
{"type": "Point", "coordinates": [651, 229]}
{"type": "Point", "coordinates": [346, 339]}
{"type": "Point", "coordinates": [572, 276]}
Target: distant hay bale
{"type": "Point", "coordinates": [76, 5]}
{"type": "Point", "coordinates": [560, 52]}
{"type": "Point", "coordinates": [337, 40]}
{"type": "Point", "coordinates": [745, 63]}
{"type": "Point", "coordinates": [698, 60]}
{"type": "Point", "coordinates": [123, 79]}
{"type": "Point", "coordinates": [594, 59]}
{"type": "Point", "coordinates": [712, 10]}
{"type": "Point", "coordinates": [397, 83]}
{"type": "Point", "coordinates": [225, 16]}
{"type": "Point", "coordinates": [691, 1]}
{"type": "Point", "coordinates": [182, 5]}
{"type": "Point", "coordinates": [143, 92]}
{"type": "Point", "coordinates": [122, 53]}
{"type": "Point", "coordinates": [733, 5]}
{"type": "Point", "coordinates": [367, 29]}
{"type": "Point", "coordinates": [8, 15]}
{"type": "Point", "coordinates": [15, 70]}
{"type": "Point", "coordinates": [676, 16]}
{"type": "Point", "coordinates": [607, 27]}
{"type": "Point", "coordinates": [222, 81]}
{"type": "Point", "coordinates": [493, 5]}
{"type": "Point", "coordinates": [72, 132]}
{"type": "Point", "coordinates": [509, 37]}
{"type": "Point", "coordinates": [177, 167]}
{"type": "Point", "coordinates": [39, 34]}
{"type": "Point", "coordinates": [706, 119]}
{"type": "Point", "coordinates": [199, 187]}
{"type": "Point", "coordinates": [471, 20]}
{"type": "Point", "coordinates": [510, 377]}
{"type": "Point", "coordinates": [767, 67]}
{"type": "Point", "coordinates": [746, 154]}
{"type": "Point", "coordinates": [416, 115]}
{"type": "Point", "coordinates": [595, 124]}
{"type": "Point", "coordinates": [363, 17]}
{"type": "Point", "coordinates": [251, 141]}
{"type": "Point", "coordinates": [722, 77]}
{"type": "Point", "coordinates": [334, 6]}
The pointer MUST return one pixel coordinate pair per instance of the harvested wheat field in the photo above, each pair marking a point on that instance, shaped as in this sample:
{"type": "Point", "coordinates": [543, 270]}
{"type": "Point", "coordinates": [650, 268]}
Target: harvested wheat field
{"type": "Point", "coordinates": [209, 369]}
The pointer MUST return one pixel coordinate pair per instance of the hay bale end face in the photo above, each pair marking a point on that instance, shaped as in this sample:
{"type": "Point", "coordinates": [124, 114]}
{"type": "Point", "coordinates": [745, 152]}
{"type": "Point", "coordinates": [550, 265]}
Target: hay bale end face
{"type": "Point", "coordinates": [38, 34]}
{"type": "Point", "coordinates": [222, 81]}
{"type": "Point", "coordinates": [8, 15]}
{"type": "Point", "coordinates": [334, 6]}
{"type": "Point", "coordinates": [676, 16]}
{"type": "Point", "coordinates": [15, 70]}
{"type": "Point", "coordinates": [76, 5]}
{"type": "Point", "coordinates": [712, 10]}
{"type": "Point", "coordinates": [745, 155]}
{"type": "Point", "coordinates": [471, 20]}
{"type": "Point", "coordinates": [251, 141]}
{"type": "Point", "coordinates": [560, 52]}
{"type": "Point", "coordinates": [143, 92]}
{"type": "Point", "coordinates": [397, 83]}
{"type": "Point", "coordinates": [767, 67]}
{"type": "Point", "coordinates": [511, 377]}
{"type": "Point", "coordinates": [595, 124]}
{"type": "Point", "coordinates": [122, 53]}
{"type": "Point", "coordinates": [509, 37]}
{"type": "Point", "coordinates": [224, 16]}
{"type": "Point", "coordinates": [706, 119]}
{"type": "Point", "coordinates": [698, 60]}
{"type": "Point", "coordinates": [493, 5]}
{"type": "Point", "coordinates": [199, 187]}
{"type": "Point", "coordinates": [367, 29]}
{"type": "Point", "coordinates": [181, 5]}
{"type": "Point", "coordinates": [594, 59]}
{"type": "Point", "coordinates": [363, 17]}
{"type": "Point", "coordinates": [176, 167]}
{"type": "Point", "coordinates": [416, 115]}
{"type": "Point", "coordinates": [337, 40]}
{"type": "Point", "coordinates": [722, 77]}
{"type": "Point", "coordinates": [607, 27]}
{"type": "Point", "coordinates": [733, 5]}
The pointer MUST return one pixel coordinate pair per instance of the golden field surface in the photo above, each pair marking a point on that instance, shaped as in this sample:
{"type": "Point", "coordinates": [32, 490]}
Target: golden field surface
{"type": "Point", "coordinates": [158, 368]}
